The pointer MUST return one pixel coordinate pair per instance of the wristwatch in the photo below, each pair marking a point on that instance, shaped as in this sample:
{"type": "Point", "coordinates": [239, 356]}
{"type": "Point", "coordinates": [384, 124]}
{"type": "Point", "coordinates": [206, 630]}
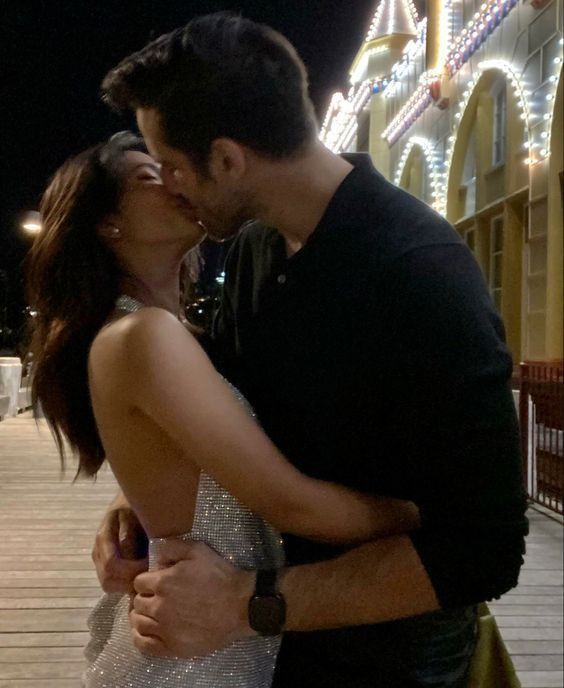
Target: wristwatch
{"type": "Point", "coordinates": [267, 607]}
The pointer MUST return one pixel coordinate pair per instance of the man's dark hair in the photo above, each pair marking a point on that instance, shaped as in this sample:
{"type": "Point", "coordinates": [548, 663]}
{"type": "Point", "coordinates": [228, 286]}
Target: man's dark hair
{"type": "Point", "coordinates": [220, 75]}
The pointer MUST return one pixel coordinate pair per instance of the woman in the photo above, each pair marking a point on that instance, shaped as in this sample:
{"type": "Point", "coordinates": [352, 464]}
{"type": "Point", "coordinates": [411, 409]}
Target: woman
{"type": "Point", "coordinates": [120, 375]}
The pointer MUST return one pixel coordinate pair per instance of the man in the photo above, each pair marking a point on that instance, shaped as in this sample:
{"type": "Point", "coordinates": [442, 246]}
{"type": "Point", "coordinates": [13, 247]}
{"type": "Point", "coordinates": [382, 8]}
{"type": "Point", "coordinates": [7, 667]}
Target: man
{"type": "Point", "coordinates": [362, 332]}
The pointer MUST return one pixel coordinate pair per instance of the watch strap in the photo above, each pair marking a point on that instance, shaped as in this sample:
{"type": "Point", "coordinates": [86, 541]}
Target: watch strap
{"type": "Point", "coordinates": [266, 583]}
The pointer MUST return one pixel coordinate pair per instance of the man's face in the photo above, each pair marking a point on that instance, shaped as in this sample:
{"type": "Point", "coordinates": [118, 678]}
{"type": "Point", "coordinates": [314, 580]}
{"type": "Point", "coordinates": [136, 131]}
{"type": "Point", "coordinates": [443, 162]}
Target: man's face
{"type": "Point", "coordinates": [221, 210]}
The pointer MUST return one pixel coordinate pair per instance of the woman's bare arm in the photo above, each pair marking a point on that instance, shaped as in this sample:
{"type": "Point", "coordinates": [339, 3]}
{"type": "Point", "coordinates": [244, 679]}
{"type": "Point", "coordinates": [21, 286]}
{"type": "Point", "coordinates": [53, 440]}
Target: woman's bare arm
{"type": "Point", "coordinates": [171, 380]}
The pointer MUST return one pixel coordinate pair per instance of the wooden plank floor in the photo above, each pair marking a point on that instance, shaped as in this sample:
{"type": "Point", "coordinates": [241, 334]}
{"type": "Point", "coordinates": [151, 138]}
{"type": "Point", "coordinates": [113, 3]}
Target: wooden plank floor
{"type": "Point", "coordinates": [48, 585]}
{"type": "Point", "coordinates": [47, 579]}
{"type": "Point", "coordinates": [530, 616]}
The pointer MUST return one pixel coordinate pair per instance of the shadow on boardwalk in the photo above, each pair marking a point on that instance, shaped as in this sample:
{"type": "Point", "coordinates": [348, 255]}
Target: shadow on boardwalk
{"type": "Point", "coordinates": [48, 584]}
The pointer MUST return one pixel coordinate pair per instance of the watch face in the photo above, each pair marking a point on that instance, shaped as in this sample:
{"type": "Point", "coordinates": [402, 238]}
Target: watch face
{"type": "Point", "coordinates": [267, 614]}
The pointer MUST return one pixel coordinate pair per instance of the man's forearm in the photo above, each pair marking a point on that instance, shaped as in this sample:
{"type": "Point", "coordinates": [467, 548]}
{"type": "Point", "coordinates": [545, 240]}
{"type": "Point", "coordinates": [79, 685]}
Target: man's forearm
{"type": "Point", "coordinates": [375, 582]}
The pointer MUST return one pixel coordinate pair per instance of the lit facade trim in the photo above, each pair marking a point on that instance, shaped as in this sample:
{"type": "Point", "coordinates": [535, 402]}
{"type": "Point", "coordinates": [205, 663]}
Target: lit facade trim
{"type": "Point", "coordinates": [384, 20]}
{"type": "Point", "coordinates": [430, 161]}
{"type": "Point", "coordinates": [411, 110]}
{"type": "Point", "coordinates": [476, 31]}
{"type": "Point", "coordinates": [522, 103]}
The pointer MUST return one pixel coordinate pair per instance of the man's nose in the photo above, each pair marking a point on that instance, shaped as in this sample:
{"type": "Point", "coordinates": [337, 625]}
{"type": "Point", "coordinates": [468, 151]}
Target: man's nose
{"type": "Point", "coordinates": [170, 181]}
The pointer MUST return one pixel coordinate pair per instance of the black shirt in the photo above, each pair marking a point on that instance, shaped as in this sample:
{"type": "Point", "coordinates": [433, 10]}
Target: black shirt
{"type": "Point", "coordinates": [375, 358]}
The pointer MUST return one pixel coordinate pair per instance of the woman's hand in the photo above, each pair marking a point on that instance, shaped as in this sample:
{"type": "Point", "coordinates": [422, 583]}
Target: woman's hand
{"type": "Point", "coordinates": [120, 548]}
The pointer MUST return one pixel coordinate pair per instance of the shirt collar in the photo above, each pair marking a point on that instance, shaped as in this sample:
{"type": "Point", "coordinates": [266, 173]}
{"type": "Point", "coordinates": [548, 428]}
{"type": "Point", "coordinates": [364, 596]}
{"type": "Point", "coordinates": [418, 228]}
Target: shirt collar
{"type": "Point", "coordinates": [342, 207]}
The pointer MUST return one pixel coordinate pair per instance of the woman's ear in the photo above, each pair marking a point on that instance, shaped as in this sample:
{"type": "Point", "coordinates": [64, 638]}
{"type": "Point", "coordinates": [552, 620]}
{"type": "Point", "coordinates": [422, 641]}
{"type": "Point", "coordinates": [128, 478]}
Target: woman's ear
{"type": "Point", "coordinates": [108, 230]}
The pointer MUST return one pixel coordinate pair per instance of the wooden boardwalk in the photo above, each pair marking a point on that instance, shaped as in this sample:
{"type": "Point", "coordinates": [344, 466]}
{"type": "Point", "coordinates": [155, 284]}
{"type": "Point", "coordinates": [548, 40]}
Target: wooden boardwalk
{"type": "Point", "coordinates": [47, 579]}
{"type": "Point", "coordinates": [48, 584]}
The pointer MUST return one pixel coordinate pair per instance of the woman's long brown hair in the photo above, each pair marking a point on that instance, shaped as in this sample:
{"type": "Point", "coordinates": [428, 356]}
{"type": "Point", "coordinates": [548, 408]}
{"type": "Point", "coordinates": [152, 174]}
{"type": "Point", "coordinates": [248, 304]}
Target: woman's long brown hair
{"type": "Point", "coordinates": [72, 283]}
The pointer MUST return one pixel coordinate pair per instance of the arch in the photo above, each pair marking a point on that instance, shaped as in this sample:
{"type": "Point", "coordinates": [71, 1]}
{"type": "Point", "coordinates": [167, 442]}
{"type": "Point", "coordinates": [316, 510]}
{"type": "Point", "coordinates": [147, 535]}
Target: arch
{"type": "Point", "coordinates": [486, 175]}
{"type": "Point", "coordinates": [419, 153]}
{"type": "Point", "coordinates": [488, 71]}
{"type": "Point", "coordinates": [555, 143]}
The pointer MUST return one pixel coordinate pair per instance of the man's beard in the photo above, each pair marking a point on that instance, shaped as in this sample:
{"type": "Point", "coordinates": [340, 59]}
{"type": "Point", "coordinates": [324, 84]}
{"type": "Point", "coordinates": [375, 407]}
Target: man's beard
{"type": "Point", "coordinates": [222, 229]}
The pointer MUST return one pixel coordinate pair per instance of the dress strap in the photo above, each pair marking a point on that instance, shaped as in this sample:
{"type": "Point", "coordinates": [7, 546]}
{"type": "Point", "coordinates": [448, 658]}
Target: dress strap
{"type": "Point", "coordinates": [128, 303]}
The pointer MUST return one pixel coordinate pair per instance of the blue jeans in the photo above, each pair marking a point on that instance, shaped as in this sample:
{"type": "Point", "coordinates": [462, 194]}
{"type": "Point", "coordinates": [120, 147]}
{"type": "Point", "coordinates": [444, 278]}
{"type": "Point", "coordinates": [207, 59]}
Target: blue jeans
{"type": "Point", "coordinates": [430, 651]}
{"type": "Point", "coordinates": [444, 645]}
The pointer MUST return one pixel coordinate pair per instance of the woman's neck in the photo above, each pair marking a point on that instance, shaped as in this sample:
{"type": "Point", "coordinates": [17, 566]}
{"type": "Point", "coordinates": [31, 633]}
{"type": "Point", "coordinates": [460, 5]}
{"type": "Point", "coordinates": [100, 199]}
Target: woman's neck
{"type": "Point", "coordinates": [155, 286]}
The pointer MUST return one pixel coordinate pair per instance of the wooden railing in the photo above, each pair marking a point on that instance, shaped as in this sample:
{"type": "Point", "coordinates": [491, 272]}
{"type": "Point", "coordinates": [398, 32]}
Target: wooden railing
{"type": "Point", "coordinates": [541, 415]}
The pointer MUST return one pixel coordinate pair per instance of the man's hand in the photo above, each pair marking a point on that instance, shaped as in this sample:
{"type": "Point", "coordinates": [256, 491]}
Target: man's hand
{"type": "Point", "coordinates": [195, 605]}
{"type": "Point", "coordinates": [119, 552]}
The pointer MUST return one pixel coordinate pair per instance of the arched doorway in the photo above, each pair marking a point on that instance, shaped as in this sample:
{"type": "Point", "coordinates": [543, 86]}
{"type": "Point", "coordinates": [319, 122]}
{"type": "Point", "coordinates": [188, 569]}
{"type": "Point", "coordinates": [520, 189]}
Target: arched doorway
{"type": "Point", "coordinates": [487, 189]}
{"type": "Point", "coordinates": [417, 170]}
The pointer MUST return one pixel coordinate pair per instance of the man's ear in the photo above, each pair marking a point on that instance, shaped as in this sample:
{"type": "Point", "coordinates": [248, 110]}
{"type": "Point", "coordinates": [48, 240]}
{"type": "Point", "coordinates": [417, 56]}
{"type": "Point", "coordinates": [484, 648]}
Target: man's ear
{"type": "Point", "coordinates": [227, 158]}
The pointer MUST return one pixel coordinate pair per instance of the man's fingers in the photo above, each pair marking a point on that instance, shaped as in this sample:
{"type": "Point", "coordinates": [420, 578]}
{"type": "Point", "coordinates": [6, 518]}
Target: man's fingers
{"type": "Point", "coordinates": [145, 605]}
{"type": "Point", "coordinates": [144, 625]}
{"type": "Point", "coordinates": [147, 583]}
{"type": "Point", "coordinates": [173, 551]}
{"type": "Point", "coordinates": [144, 631]}
{"type": "Point", "coordinates": [148, 644]}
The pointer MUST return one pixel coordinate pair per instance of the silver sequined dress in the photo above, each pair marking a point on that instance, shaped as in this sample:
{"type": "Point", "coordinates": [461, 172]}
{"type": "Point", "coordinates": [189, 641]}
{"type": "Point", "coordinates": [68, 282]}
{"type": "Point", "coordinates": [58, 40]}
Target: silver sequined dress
{"type": "Point", "coordinates": [239, 536]}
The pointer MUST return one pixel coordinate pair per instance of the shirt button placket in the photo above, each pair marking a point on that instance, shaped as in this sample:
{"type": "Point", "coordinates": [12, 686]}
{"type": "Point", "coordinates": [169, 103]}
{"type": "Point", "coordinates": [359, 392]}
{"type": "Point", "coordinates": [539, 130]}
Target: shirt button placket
{"type": "Point", "coordinates": [281, 279]}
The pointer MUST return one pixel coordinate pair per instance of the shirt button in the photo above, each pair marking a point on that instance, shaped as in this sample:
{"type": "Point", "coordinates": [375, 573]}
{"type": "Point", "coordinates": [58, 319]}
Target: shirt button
{"type": "Point", "coordinates": [281, 279]}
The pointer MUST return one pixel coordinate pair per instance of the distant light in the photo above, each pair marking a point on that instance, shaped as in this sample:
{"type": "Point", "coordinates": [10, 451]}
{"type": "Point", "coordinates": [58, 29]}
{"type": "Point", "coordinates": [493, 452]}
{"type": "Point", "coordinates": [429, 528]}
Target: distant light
{"type": "Point", "coordinates": [31, 222]}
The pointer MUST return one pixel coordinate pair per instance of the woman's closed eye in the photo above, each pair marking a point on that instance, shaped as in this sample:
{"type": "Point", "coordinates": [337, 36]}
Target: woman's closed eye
{"type": "Point", "coordinates": [148, 173]}
{"type": "Point", "coordinates": [148, 177]}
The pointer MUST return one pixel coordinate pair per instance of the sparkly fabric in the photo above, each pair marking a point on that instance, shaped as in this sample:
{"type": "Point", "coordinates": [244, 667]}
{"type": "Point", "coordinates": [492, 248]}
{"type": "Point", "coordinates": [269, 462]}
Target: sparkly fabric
{"type": "Point", "coordinates": [239, 536]}
{"type": "Point", "coordinates": [128, 303]}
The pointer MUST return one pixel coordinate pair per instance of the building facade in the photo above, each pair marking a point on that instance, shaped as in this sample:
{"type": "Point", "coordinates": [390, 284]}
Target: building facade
{"type": "Point", "coordinates": [464, 109]}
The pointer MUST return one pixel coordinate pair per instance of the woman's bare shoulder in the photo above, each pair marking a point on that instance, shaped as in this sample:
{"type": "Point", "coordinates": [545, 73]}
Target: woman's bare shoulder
{"type": "Point", "coordinates": [136, 337]}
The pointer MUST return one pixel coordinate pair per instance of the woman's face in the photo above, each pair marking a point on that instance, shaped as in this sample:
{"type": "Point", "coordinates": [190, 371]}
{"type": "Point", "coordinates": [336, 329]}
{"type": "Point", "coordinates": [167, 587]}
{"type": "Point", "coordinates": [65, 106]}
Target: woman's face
{"type": "Point", "coordinates": [148, 213]}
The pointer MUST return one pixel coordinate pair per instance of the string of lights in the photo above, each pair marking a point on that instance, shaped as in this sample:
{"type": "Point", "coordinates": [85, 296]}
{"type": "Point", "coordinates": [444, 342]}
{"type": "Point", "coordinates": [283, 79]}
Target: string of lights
{"type": "Point", "coordinates": [524, 113]}
{"type": "Point", "coordinates": [411, 110]}
{"type": "Point", "coordinates": [431, 162]}
{"type": "Point", "coordinates": [341, 122]}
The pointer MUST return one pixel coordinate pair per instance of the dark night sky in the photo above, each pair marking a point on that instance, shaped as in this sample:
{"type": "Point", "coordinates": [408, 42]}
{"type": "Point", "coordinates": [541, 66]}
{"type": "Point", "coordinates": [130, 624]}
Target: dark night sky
{"type": "Point", "coordinates": [55, 53]}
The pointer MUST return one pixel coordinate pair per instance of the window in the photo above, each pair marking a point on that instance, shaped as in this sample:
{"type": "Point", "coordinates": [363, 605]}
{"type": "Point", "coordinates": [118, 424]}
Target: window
{"type": "Point", "coordinates": [470, 239]}
{"type": "Point", "coordinates": [363, 132]}
{"type": "Point", "coordinates": [496, 259]}
{"type": "Point", "coordinates": [469, 176]}
{"type": "Point", "coordinates": [500, 116]}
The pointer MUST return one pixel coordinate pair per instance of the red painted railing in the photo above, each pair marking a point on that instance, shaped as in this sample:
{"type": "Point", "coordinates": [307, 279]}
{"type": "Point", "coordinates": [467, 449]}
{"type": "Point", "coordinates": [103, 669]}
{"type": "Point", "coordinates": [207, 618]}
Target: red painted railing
{"type": "Point", "coordinates": [541, 415]}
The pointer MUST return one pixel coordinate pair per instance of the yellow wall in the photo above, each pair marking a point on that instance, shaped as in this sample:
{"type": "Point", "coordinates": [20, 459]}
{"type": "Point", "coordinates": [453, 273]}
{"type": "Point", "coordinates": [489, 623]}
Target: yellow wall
{"type": "Point", "coordinates": [555, 266]}
{"type": "Point", "coordinates": [413, 173]}
{"type": "Point", "coordinates": [500, 191]}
